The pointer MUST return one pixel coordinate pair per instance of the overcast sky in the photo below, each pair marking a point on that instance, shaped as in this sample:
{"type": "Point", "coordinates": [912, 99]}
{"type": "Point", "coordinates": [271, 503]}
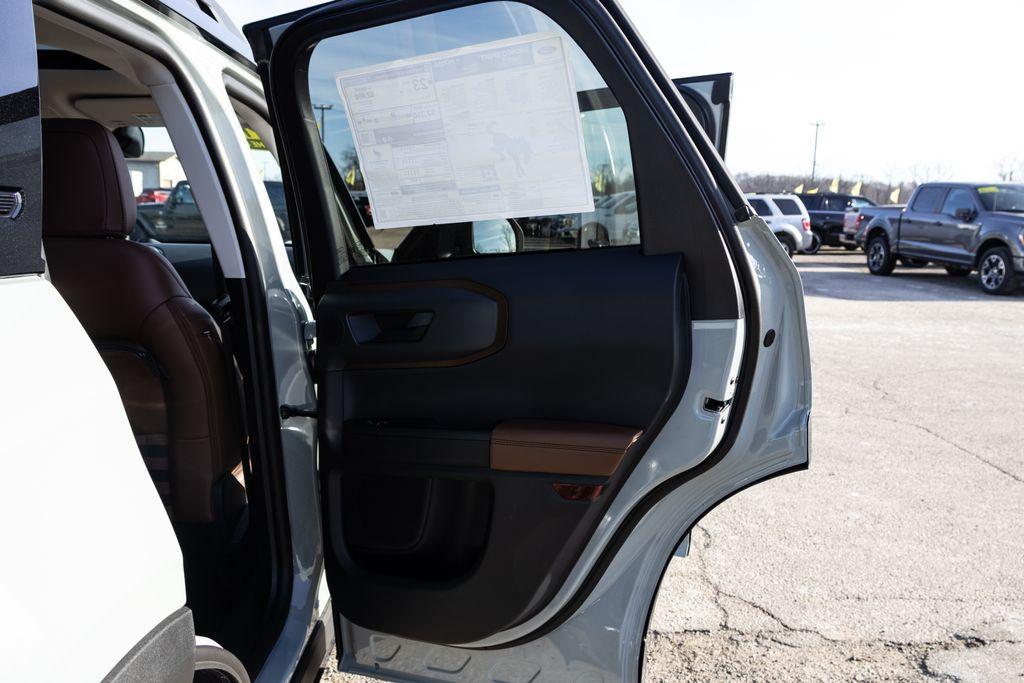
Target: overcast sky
{"type": "Point", "coordinates": [907, 89]}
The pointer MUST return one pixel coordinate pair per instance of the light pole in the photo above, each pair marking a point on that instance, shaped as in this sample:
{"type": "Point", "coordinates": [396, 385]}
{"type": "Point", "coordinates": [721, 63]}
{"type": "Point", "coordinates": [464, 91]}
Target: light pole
{"type": "Point", "coordinates": [814, 160]}
{"type": "Point", "coordinates": [323, 108]}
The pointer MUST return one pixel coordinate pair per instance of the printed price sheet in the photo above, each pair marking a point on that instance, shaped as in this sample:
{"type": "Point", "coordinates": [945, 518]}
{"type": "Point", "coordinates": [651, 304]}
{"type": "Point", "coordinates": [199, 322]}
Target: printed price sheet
{"type": "Point", "coordinates": [487, 131]}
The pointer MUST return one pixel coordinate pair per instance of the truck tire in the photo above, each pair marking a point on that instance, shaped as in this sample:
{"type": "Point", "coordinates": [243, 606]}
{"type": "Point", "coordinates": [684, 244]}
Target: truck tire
{"type": "Point", "coordinates": [879, 256]}
{"type": "Point", "coordinates": [815, 245]}
{"type": "Point", "coordinates": [995, 271]}
{"type": "Point", "coordinates": [958, 271]}
{"type": "Point", "coordinates": [788, 245]}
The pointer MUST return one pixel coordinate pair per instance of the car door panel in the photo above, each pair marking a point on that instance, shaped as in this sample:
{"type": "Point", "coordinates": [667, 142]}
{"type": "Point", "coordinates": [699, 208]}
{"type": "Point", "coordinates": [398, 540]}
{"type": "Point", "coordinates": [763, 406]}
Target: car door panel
{"type": "Point", "coordinates": [617, 349]}
{"type": "Point", "coordinates": [494, 428]}
{"type": "Point", "coordinates": [20, 147]}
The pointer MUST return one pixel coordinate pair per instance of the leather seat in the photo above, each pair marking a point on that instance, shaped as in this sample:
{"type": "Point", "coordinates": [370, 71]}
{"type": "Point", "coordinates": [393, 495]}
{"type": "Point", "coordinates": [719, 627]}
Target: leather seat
{"type": "Point", "coordinates": [162, 348]}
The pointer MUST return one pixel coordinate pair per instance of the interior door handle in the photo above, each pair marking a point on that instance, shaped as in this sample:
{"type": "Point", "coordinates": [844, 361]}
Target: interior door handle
{"type": "Point", "coordinates": [389, 327]}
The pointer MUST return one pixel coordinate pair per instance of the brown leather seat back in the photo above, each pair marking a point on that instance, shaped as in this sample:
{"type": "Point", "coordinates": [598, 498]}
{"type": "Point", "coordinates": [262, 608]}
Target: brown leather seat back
{"type": "Point", "coordinates": [162, 348]}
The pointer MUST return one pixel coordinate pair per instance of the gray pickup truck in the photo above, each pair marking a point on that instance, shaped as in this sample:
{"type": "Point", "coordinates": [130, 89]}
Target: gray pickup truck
{"type": "Point", "coordinates": [961, 226]}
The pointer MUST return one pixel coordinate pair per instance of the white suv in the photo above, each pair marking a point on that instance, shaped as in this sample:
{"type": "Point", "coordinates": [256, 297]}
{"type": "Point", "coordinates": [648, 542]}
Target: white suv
{"type": "Point", "coordinates": [478, 461]}
{"type": "Point", "coordinates": [786, 215]}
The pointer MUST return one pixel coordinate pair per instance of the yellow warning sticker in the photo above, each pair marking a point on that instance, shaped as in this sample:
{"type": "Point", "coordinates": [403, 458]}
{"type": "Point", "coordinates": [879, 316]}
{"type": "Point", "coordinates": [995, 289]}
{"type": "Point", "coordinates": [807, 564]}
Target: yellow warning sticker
{"type": "Point", "coordinates": [253, 138]}
{"type": "Point", "coordinates": [988, 190]}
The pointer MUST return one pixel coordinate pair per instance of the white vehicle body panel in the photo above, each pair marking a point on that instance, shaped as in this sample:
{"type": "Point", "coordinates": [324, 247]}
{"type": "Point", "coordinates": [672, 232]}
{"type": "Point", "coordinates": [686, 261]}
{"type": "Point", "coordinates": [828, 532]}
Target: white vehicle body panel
{"type": "Point", "coordinates": [97, 564]}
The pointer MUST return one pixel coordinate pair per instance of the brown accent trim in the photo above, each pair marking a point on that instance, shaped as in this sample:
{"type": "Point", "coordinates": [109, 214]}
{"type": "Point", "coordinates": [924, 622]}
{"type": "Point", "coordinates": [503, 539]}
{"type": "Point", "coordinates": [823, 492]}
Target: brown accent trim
{"type": "Point", "coordinates": [576, 448]}
{"type": "Point", "coordinates": [500, 333]}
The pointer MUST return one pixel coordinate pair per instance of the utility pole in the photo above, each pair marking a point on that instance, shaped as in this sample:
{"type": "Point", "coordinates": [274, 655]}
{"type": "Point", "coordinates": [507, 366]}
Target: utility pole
{"type": "Point", "coordinates": [814, 161]}
{"type": "Point", "coordinates": [323, 108]}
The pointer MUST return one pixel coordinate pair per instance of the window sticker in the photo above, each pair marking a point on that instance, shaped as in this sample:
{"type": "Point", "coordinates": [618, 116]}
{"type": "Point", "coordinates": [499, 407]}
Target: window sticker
{"type": "Point", "coordinates": [987, 190]}
{"type": "Point", "coordinates": [253, 138]}
{"type": "Point", "coordinates": [483, 132]}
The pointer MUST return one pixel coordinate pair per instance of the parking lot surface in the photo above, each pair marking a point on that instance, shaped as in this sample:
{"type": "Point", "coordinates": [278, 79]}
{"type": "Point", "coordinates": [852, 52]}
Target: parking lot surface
{"type": "Point", "coordinates": [899, 555]}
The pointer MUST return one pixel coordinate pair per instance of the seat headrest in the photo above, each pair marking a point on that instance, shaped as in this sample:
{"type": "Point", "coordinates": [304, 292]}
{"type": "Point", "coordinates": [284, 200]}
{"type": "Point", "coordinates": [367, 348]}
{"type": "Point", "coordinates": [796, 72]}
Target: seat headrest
{"type": "Point", "coordinates": [86, 188]}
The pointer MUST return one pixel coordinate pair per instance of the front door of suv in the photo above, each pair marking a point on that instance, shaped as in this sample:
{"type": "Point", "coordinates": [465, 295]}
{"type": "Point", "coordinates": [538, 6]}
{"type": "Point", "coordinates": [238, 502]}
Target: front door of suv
{"type": "Point", "coordinates": [509, 413]}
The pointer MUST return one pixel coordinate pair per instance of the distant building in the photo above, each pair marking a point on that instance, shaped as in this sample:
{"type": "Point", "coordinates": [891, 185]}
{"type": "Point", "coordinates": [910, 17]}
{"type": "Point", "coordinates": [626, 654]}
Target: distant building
{"type": "Point", "coordinates": [155, 169]}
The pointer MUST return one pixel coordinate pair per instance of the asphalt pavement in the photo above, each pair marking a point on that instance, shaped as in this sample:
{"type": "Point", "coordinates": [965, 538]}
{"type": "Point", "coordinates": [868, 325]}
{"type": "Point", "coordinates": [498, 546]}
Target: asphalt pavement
{"type": "Point", "coordinates": [899, 555]}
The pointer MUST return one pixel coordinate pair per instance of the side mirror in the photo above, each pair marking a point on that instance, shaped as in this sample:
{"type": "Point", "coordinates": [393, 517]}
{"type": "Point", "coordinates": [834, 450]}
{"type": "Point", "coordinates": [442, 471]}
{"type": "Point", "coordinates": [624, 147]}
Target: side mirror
{"type": "Point", "coordinates": [965, 214]}
{"type": "Point", "coordinates": [496, 237]}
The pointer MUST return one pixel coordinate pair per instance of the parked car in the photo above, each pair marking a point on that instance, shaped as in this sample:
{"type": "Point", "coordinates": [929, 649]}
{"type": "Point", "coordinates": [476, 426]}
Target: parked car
{"type": "Point", "coordinates": [178, 219]}
{"type": "Point", "coordinates": [960, 226]}
{"type": "Point", "coordinates": [786, 216]}
{"type": "Point", "coordinates": [828, 214]}
{"type": "Point", "coordinates": [152, 195]}
{"type": "Point", "coordinates": [447, 464]}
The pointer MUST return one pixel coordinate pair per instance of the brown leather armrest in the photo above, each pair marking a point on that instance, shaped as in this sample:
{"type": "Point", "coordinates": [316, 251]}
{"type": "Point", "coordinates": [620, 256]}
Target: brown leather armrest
{"type": "Point", "coordinates": [560, 447]}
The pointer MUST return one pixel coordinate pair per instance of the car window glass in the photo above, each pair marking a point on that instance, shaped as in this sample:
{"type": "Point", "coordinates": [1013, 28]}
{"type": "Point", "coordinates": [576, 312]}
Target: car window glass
{"type": "Point", "coordinates": [788, 207]}
{"type": "Point", "coordinates": [270, 173]}
{"type": "Point", "coordinates": [927, 199]}
{"type": "Point", "coordinates": [467, 136]}
{"type": "Point", "coordinates": [859, 202]}
{"type": "Point", "coordinates": [958, 198]}
{"type": "Point", "coordinates": [1002, 198]}
{"type": "Point", "coordinates": [835, 203]}
{"type": "Point", "coordinates": [760, 207]}
{"type": "Point", "coordinates": [166, 211]}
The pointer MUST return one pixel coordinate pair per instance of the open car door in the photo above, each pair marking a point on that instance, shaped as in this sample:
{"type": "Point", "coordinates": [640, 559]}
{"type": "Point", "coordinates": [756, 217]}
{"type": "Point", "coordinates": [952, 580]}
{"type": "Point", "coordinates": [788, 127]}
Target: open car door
{"type": "Point", "coordinates": [551, 334]}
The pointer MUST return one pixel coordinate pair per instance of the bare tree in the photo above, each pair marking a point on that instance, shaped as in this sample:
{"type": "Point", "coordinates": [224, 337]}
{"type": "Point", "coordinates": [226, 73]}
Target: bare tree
{"type": "Point", "coordinates": [1010, 169]}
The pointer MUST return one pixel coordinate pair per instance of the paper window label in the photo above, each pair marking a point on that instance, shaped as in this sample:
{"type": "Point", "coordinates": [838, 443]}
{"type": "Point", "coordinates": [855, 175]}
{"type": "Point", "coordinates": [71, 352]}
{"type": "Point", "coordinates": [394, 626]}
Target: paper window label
{"type": "Point", "coordinates": [482, 132]}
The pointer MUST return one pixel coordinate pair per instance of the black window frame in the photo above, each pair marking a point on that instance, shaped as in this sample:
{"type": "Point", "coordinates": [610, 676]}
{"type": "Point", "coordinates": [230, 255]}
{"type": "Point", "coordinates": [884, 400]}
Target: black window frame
{"type": "Point", "coordinates": [325, 224]}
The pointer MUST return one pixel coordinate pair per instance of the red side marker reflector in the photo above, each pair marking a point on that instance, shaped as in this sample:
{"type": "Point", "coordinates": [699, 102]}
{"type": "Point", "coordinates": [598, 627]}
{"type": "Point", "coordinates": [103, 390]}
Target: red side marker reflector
{"type": "Point", "coordinates": [584, 492]}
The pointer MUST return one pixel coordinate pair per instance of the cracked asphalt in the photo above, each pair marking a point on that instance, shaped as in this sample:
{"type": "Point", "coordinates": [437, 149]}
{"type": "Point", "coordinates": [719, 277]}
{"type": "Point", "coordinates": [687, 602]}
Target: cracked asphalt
{"type": "Point", "coordinates": [899, 555]}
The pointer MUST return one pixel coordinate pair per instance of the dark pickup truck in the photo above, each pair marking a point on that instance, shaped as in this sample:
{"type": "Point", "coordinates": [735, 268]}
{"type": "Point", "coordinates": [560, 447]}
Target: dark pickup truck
{"type": "Point", "coordinates": [961, 226]}
{"type": "Point", "coordinates": [178, 219]}
{"type": "Point", "coordinates": [828, 212]}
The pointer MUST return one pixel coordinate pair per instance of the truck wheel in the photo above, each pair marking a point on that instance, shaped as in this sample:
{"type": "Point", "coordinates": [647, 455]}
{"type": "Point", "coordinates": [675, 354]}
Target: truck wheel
{"type": "Point", "coordinates": [995, 271]}
{"type": "Point", "coordinates": [880, 258]}
{"type": "Point", "coordinates": [788, 245]}
{"type": "Point", "coordinates": [815, 245]}
{"type": "Point", "coordinates": [958, 271]}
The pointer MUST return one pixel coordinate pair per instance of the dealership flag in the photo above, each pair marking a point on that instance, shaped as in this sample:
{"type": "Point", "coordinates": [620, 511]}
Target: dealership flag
{"type": "Point", "coordinates": [834, 187]}
{"type": "Point", "coordinates": [856, 187]}
{"type": "Point", "coordinates": [799, 188]}
{"type": "Point", "coordinates": [894, 198]}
